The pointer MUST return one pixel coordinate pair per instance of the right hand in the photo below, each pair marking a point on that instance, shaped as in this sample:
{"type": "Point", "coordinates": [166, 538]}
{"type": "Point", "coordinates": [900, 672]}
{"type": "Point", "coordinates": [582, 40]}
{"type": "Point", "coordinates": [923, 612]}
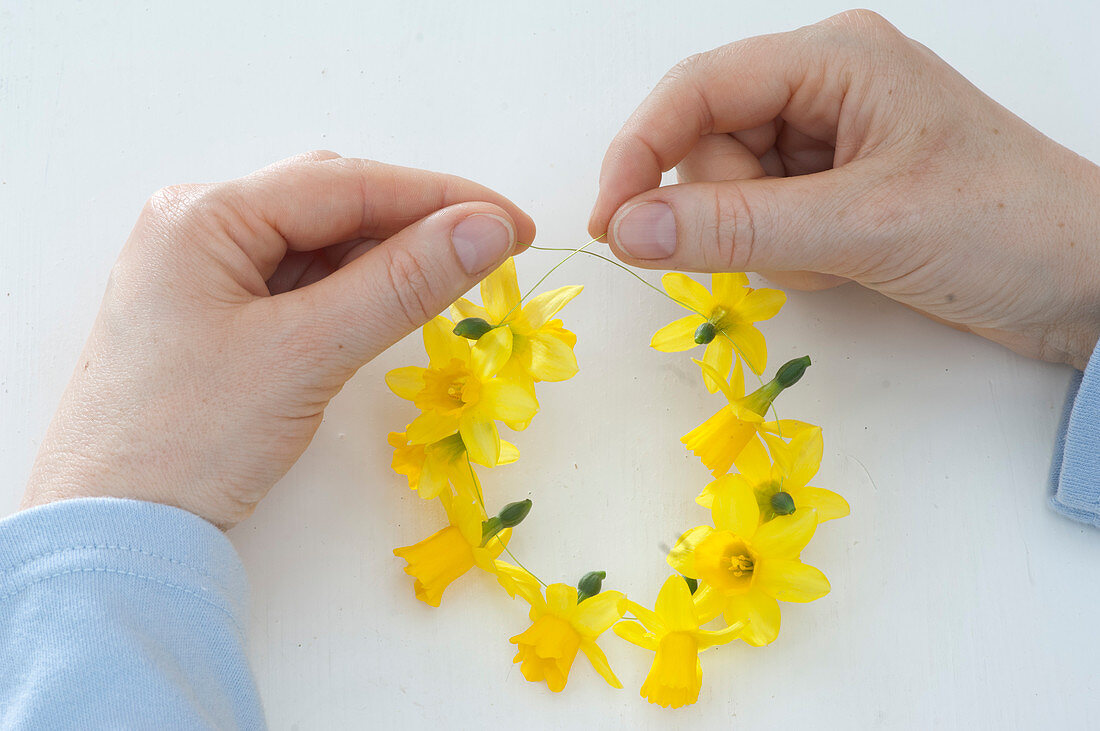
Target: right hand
{"type": "Point", "coordinates": [846, 151]}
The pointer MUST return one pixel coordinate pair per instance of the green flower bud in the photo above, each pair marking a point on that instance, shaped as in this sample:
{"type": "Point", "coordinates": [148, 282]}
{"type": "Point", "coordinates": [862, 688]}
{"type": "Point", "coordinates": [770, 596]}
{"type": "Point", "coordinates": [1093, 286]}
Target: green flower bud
{"type": "Point", "coordinates": [590, 585]}
{"type": "Point", "coordinates": [693, 584]}
{"type": "Point", "coordinates": [705, 333]}
{"type": "Point", "coordinates": [791, 371]}
{"type": "Point", "coordinates": [472, 328]}
{"type": "Point", "coordinates": [513, 514]}
{"type": "Point", "coordinates": [782, 503]}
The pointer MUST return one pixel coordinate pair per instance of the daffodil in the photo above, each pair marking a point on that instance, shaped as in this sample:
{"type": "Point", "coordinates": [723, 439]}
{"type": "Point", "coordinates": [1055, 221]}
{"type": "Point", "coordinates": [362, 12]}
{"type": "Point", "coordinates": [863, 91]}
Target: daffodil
{"type": "Point", "coordinates": [723, 319]}
{"type": "Point", "coordinates": [537, 347]}
{"type": "Point", "coordinates": [719, 440]}
{"type": "Point", "coordinates": [672, 629]}
{"type": "Point", "coordinates": [458, 392]}
{"type": "Point", "coordinates": [449, 553]}
{"type": "Point", "coordinates": [745, 566]}
{"type": "Point", "coordinates": [781, 485]}
{"type": "Point", "coordinates": [429, 468]}
{"type": "Point", "coordinates": [560, 625]}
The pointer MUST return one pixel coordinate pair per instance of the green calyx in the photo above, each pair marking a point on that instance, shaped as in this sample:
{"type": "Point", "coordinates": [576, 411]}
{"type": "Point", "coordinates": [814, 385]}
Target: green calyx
{"type": "Point", "coordinates": [693, 584]}
{"type": "Point", "coordinates": [509, 516]}
{"type": "Point", "coordinates": [590, 585]}
{"type": "Point", "coordinates": [472, 328]}
{"type": "Point", "coordinates": [705, 333]}
{"type": "Point", "coordinates": [782, 503]}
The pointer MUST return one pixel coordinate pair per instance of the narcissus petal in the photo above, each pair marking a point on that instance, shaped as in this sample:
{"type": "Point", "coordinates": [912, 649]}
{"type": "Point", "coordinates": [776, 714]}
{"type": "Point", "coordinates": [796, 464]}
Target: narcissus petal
{"type": "Point", "coordinates": [785, 535]}
{"type": "Point", "coordinates": [678, 335]}
{"type": "Point", "coordinates": [551, 358]}
{"type": "Point", "coordinates": [595, 614]}
{"type": "Point", "coordinates": [481, 437]}
{"type": "Point", "coordinates": [406, 382]}
{"type": "Point", "coordinates": [599, 662]}
{"type": "Point", "coordinates": [761, 304]}
{"type": "Point", "coordinates": [688, 292]}
{"type": "Point", "coordinates": [790, 580]}
{"type": "Point", "coordinates": [729, 288]}
{"type": "Point", "coordinates": [500, 292]}
{"type": "Point", "coordinates": [735, 509]}
{"type": "Point", "coordinates": [636, 634]}
{"type": "Point", "coordinates": [761, 613]}
{"type": "Point", "coordinates": [827, 503]}
{"type": "Point", "coordinates": [540, 308]}
{"type": "Point", "coordinates": [491, 352]}
{"type": "Point", "coordinates": [442, 345]}
{"type": "Point", "coordinates": [719, 356]}
{"type": "Point", "coordinates": [507, 401]}
{"type": "Point", "coordinates": [749, 342]}
{"type": "Point", "coordinates": [675, 606]}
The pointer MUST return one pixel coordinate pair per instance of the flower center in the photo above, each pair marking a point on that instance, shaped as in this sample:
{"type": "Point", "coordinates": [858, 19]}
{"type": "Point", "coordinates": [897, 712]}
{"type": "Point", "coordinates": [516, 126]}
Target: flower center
{"type": "Point", "coordinates": [449, 389]}
{"type": "Point", "coordinates": [720, 318]}
{"type": "Point", "coordinates": [724, 561]}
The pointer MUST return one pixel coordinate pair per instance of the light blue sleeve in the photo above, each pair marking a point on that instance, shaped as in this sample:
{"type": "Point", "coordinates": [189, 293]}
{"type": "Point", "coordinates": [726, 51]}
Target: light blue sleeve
{"type": "Point", "coordinates": [121, 614]}
{"type": "Point", "coordinates": [1075, 473]}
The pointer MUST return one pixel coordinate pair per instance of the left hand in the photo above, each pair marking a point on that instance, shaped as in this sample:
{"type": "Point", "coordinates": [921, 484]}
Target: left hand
{"type": "Point", "coordinates": [238, 310]}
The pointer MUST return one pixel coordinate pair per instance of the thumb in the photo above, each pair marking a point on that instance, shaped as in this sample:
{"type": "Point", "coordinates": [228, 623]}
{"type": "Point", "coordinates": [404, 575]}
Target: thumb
{"type": "Point", "coordinates": [360, 310]}
{"type": "Point", "coordinates": [808, 222]}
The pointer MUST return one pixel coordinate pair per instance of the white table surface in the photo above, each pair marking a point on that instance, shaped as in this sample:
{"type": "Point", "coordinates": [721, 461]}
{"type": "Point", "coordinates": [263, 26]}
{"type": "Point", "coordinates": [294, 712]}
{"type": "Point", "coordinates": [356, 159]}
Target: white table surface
{"type": "Point", "coordinates": [959, 599]}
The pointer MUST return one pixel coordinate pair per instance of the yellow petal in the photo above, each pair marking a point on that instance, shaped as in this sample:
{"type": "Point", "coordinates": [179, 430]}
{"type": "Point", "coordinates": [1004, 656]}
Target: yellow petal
{"type": "Point", "coordinates": [749, 342]}
{"type": "Point", "coordinates": [786, 428]}
{"type": "Point", "coordinates": [430, 427]}
{"type": "Point", "coordinates": [678, 335]}
{"type": "Point", "coordinates": [729, 288]}
{"type": "Point", "coordinates": [761, 304]}
{"type": "Point", "coordinates": [406, 382]}
{"type": "Point", "coordinates": [463, 308]}
{"type": "Point", "coordinates": [827, 503]}
{"type": "Point", "coordinates": [736, 509]}
{"type": "Point", "coordinates": [785, 535]}
{"type": "Point", "coordinates": [688, 292]}
{"type": "Point", "coordinates": [759, 611]}
{"type": "Point", "coordinates": [652, 621]}
{"type": "Point", "coordinates": [442, 345]}
{"type": "Point", "coordinates": [682, 556]}
{"type": "Point", "coordinates": [753, 462]}
{"type": "Point", "coordinates": [500, 292]}
{"type": "Point", "coordinates": [708, 603]}
{"type": "Point", "coordinates": [636, 634]}
{"type": "Point", "coordinates": [509, 453]}
{"type": "Point", "coordinates": [551, 358]}
{"type": "Point", "coordinates": [800, 459]}
{"type": "Point", "coordinates": [719, 356]}
{"type": "Point", "coordinates": [711, 376]}
{"type": "Point", "coordinates": [507, 401]}
{"type": "Point", "coordinates": [595, 614]}
{"type": "Point", "coordinates": [789, 580]}
{"type": "Point", "coordinates": [481, 437]}
{"type": "Point", "coordinates": [539, 309]}
{"type": "Point", "coordinates": [675, 606]}
{"type": "Point", "coordinates": [599, 662]}
{"type": "Point", "coordinates": [710, 638]}
{"type": "Point", "coordinates": [561, 598]}
{"type": "Point", "coordinates": [722, 484]}
{"type": "Point", "coordinates": [491, 352]}
{"type": "Point", "coordinates": [518, 582]}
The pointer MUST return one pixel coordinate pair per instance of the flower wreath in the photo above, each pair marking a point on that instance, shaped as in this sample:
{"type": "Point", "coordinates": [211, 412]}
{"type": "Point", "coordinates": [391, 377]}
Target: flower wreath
{"type": "Point", "coordinates": [483, 367]}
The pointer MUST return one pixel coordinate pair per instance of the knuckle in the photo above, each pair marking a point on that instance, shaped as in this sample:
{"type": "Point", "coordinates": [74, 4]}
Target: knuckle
{"type": "Point", "coordinates": [732, 232]}
{"type": "Point", "coordinates": [413, 288]}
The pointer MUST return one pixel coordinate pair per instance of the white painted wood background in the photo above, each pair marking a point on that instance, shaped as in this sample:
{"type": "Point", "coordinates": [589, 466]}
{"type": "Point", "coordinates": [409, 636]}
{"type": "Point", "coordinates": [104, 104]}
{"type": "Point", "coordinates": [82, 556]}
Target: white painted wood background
{"type": "Point", "coordinates": [959, 599]}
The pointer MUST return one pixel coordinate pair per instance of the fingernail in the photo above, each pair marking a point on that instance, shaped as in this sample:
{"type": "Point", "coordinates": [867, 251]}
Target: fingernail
{"type": "Point", "coordinates": [647, 231]}
{"type": "Point", "coordinates": [480, 240]}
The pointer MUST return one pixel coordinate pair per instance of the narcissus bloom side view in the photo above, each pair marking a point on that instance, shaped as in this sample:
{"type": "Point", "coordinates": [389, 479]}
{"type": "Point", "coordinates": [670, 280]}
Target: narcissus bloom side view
{"type": "Point", "coordinates": [449, 553]}
{"type": "Point", "coordinates": [672, 630]}
{"type": "Point", "coordinates": [429, 468]}
{"type": "Point", "coordinates": [560, 626]}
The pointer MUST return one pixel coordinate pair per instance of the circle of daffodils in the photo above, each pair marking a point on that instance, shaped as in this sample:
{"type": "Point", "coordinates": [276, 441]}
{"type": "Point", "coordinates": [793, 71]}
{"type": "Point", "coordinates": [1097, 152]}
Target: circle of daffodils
{"type": "Point", "coordinates": [483, 367]}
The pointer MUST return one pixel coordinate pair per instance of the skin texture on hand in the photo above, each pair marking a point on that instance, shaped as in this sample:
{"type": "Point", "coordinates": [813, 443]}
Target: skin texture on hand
{"type": "Point", "coordinates": [846, 151]}
{"type": "Point", "coordinates": [237, 310]}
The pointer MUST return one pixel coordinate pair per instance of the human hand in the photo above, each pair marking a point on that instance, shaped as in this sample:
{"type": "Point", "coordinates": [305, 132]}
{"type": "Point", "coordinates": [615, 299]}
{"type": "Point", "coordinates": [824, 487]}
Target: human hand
{"type": "Point", "coordinates": [846, 151]}
{"type": "Point", "coordinates": [237, 310]}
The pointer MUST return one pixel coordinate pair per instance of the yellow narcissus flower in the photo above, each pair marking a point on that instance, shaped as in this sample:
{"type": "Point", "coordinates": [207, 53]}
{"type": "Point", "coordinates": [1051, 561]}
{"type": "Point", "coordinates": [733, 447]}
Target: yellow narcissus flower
{"type": "Point", "coordinates": [723, 321]}
{"type": "Point", "coordinates": [719, 440]}
{"type": "Point", "coordinates": [538, 347]}
{"type": "Point", "coordinates": [672, 629]}
{"type": "Point", "coordinates": [747, 566]}
{"type": "Point", "coordinates": [560, 626]}
{"type": "Point", "coordinates": [457, 392]}
{"type": "Point", "coordinates": [780, 487]}
{"type": "Point", "coordinates": [430, 467]}
{"type": "Point", "coordinates": [449, 553]}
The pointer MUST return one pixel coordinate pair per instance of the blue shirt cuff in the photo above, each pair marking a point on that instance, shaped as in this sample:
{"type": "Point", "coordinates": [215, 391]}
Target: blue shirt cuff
{"type": "Point", "coordinates": [1075, 471]}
